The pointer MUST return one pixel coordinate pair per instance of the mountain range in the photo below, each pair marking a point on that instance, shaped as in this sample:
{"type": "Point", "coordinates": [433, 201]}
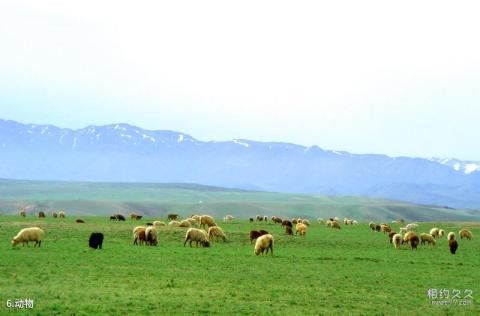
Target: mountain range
{"type": "Point", "coordinates": [126, 153]}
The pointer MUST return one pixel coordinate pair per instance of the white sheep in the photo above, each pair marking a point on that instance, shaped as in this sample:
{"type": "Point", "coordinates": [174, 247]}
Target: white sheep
{"type": "Point", "coordinates": [451, 236]}
{"type": "Point", "coordinates": [403, 230]}
{"type": "Point", "coordinates": [301, 229]}
{"type": "Point", "coordinates": [61, 214]}
{"type": "Point", "coordinates": [397, 241]}
{"type": "Point", "coordinates": [262, 243]}
{"type": "Point", "coordinates": [185, 223]}
{"type": "Point", "coordinates": [174, 223]}
{"type": "Point", "coordinates": [228, 218]}
{"type": "Point", "coordinates": [151, 236]}
{"type": "Point", "coordinates": [435, 232]}
{"type": "Point", "coordinates": [354, 222]}
{"type": "Point", "coordinates": [411, 227]}
{"type": "Point", "coordinates": [197, 235]}
{"type": "Point", "coordinates": [216, 232]}
{"type": "Point", "coordinates": [29, 234]}
{"type": "Point", "coordinates": [441, 233]}
{"type": "Point", "coordinates": [320, 220]}
{"type": "Point", "coordinates": [159, 223]}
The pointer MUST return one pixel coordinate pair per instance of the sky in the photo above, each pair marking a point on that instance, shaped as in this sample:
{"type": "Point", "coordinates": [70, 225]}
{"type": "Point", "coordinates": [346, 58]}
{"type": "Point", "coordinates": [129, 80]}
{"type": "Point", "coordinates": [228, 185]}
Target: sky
{"type": "Point", "coordinates": [396, 78]}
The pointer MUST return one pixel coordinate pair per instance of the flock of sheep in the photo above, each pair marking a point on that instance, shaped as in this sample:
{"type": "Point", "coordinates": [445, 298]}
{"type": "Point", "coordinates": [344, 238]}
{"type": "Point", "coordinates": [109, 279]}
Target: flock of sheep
{"type": "Point", "coordinates": [202, 229]}
{"type": "Point", "coordinates": [408, 235]}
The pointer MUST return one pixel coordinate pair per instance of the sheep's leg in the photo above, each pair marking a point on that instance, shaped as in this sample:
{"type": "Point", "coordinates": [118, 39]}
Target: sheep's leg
{"type": "Point", "coordinates": [186, 239]}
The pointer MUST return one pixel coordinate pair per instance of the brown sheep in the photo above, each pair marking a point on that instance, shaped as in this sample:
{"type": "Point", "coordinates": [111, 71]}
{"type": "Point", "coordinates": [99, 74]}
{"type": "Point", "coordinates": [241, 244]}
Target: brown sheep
{"type": "Point", "coordinates": [41, 214]}
{"type": "Point", "coordinates": [465, 233]}
{"type": "Point", "coordinates": [288, 230]}
{"type": "Point", "coordinates": [286, 223]}
{"type": "Point", "coordinates": [427, 238]}
{"type": "Point", "coordinates": [172, 217]}
{"type": "Point", "coordinates": [372, 225]}
{"type": "Point", "coordinates": [385, 228]}
{"type": "Point", "coordinates": [139, 236]}
{"type": "Point", "coordinates": [207, 221]}
{"type": "Point", "coordinates": [453, 244]}
{"type": "Point", "coordinates": [255, 234]}
{"type": "Point", "coordinates": [378, 228]}
{"type": "Point", "coordinates": [390, 236]}
{"type": "Point", "coordinates": [408, 236]}
{"type": "Point", "coordinates": [259, 218]}
{"type": "Point", "coordinates": [414, 242]}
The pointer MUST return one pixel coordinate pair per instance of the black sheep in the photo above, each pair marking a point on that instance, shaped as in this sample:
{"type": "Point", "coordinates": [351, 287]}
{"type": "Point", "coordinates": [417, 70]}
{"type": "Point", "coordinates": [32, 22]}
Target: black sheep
{"type": "Point", "coordinates": [96, 240]}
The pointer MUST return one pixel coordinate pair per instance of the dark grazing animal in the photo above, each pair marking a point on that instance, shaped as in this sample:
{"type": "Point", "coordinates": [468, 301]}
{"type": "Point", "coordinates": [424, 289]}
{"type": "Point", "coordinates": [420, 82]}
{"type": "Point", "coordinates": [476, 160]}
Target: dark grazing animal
{"type": "Point", "coordinates": [286, 223]}
{"type": "Point", "coordinates": [390, 236]}
{"type": "Point", "coordinates": [172, 217]}
{"type": "Point", "coordinates": [79, 221]}
{"type": "Point", "coordinates": [117, 217]}
{"type": "Point", "coordinates": [41, 214]}
{"type": "Point", "coordinates": [255, 234]}
{"type": "Point", "coordinates": [95, 241]}
{"type": "Point", "coordinates": [251, 220]}
{"type": "Point", "coordinates": [378, 227]}
{"type": "Point", "coordinates": [149, 224]}
{"type": "Point", "coordinates": [453, 244]}
{"type": "Point", "coordinates": [288, 230]}
{"type": "Point", "coordinates": [414, 241]}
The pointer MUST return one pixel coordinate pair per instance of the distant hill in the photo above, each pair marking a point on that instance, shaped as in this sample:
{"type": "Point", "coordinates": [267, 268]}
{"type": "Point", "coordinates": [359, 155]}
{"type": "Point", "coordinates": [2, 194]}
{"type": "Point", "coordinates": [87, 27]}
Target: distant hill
{"type": "Point", "coordinates": [125, 153]}
{"type": "Point", "coordinates": [156, 200]}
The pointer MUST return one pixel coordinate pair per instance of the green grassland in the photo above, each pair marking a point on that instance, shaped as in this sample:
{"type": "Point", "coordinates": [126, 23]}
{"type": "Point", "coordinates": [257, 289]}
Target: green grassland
{"type": "Point", "coordinates": [156, 200]}
{"type": "Point", "coordinates": [349, 271]}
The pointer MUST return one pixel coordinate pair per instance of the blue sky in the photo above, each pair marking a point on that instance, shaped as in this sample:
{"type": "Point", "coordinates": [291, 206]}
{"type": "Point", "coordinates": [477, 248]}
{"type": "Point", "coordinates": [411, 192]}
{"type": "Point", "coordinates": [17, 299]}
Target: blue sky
{"type": "Point", "coordinates": [369, 77]}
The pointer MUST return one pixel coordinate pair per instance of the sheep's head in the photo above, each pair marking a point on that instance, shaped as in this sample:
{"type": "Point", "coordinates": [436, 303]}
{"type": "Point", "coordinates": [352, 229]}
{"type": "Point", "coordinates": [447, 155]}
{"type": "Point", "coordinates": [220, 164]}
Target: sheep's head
{"type": "Point", "coordinates": [15, 242]}
{"type": "Point", "coordinates": [206, 243]}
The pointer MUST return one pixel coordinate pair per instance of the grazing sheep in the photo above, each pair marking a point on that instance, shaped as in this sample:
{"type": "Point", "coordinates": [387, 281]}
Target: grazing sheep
{"type": "Point", "coordinates": [79, 221]}
{"type": "Point", "coordinates": [301, 229]}
{"type": "Point", "coordinates": [306, 222]}
{"type": "Point", "coordinates": [294, 221]}
{"type": "Point", "coordinates": [228, 218]}
{"type": "Point", "coordinates": [216, 232]}
{"type": "Point", "coordinates": [192, 222]}
{"type": "Point", "coordinates": [385, 228]}
{"type": "Point", "coordinates": [117, 217]}
{"type": "Point", "coordinates": [411, 227]}
{"type": "Point", "coordinates": [185, 223]}
{"type": "Point", "coordinates": [172, 217]}
{"type": "Point", "coordinates": [346, 221]}
{"type": "Point", "coordinates": [320, 220]}
{"type": "Point", "coordinates": [336, 219]}
{"type": "Point", "coordinates": [414, 242]}
{"type": "Point", "coordinates": [397, 240]}
{"type": "Point", "coordinates": [207, 221]}
{"type": "Point", "coordinates": [263, 243]}
{"type": "Point", "coordinates": [136, 216]}
{"type": "Point", "coordinates": [95, 241]}
{"type": "Point", "coordinates": [151, 236]}
{"type": "Point", "coordinates": [251, 220]}
{"type": "Point", "coordinates": [196, 218]}
{"type": "Point", "coordinates": [390, 236]}
{"type": "Point", "coordinates": [23, 213]}
{"type": "Point", "coordinates": [253, 234]}
{"type": "Point", "coordinates": [335, 224]}
{"type": "Point", "coordinates": [54, 214]}
{"type": "Point", "coordinates": [174, 224]}
{"type": "Point", "coordinates": [277, 220]}
{"type": "Point", "coordinates": [288, 230]}
{"type": "Point", "coordinates": [408, 236]}
{"type": "Point", "coordinates": [149, 224]}
{"type": "Point", "coordinates": [403, 230]}
{"type": "Point", "coordinates": [465, 233]}
{"type": "Point", "coordinates": [451, 236]}
{"type": "Point", "coordinates": [197, 235]}
{"type": "Point", "coordinates": [29, 234]}
{"type": "Point", "coordinates": [41, 214]}
{"type": "Point", "coordinates": [354, 222]}
{"type": "Point", "coordinates": [286, 223]}
{"type": "Point", "coordinates": [378, 228]}
{"type": "Point", "coordinates": [427, 238]}
{"type": "Point", "coordinates": [259, 218]}
{"type": "Point", "coordinates": [435, 232]}
{"type": "Point", "coordinates": [159, 223]}
{"type": "Point", "coordinates": [441, 233]}
{"type": "Point", "coordinates": [453, 245]}
{"type": "Point", "coordinates": [265, 219]}
{"type": "Point", "coordinates": [139, 236]}
{"type": "Point", "coordinates": [372, 226]}
{"type": "Point", "coordinates": [61, 214]}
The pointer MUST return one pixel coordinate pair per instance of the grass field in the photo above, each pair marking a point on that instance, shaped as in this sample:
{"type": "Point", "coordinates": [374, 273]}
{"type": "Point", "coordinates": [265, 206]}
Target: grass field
{"type": "Point", "coordinates": [351, 271]}
{"type": "Point", "coordinates": [156, 200]}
